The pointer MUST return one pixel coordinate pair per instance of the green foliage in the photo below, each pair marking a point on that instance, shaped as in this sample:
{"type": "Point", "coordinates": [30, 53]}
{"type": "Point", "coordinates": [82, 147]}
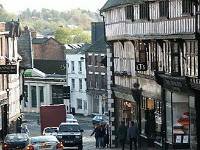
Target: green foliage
{"type": "Point", "coordinates": [75, 23]}
{"type": "Point", "coordinates": [69, 36]}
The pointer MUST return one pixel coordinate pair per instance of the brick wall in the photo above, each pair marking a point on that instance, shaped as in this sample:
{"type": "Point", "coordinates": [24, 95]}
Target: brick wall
{"type": "Point", "coordinates": [51, 50]}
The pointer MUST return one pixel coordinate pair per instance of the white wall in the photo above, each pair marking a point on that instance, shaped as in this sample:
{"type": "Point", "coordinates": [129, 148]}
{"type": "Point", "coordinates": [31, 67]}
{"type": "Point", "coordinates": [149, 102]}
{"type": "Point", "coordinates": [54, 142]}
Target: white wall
{"type": "Point", "coordinates": [76, 93]}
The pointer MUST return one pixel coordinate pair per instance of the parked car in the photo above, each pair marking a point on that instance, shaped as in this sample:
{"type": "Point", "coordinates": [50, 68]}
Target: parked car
{"type": "Point", "coordinates": [71, 118]}
{"type": "Point", "coordinates": [15, 141]}
{"type": "Point", "coordinates": [46, 142]}
{"type": "Point", "coordinates": [100, 119]}
{"type": "Point", "coordinates": [50, 131]}
{"type": "Point", "coordinates": [70, 134]}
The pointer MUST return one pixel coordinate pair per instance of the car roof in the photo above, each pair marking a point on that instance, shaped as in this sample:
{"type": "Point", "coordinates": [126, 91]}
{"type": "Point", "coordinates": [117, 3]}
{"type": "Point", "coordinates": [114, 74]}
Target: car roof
{"type": "Point", "coordinates": [69, 123]}
{"type": "Point", "coordinates": [51, 128]}
{"type": "Point", "coordinates": [41, 137]}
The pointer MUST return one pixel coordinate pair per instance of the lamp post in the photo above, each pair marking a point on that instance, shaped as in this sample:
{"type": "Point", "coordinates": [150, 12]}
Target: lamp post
{"type": "Point", "coordinates": [137, 94]}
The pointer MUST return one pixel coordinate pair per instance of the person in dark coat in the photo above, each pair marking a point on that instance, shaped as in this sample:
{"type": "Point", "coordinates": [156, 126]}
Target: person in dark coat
{"type": "Point", "coordinates": [101, 136]}
{"type": "Point", "coordinates": [122, 134]}
{"type": "Point", "coordinates": [132, 134]}
{"type": "Point", "coordinates": [96, 133]}
{"type": "Point", "coordinates": [106, 136]}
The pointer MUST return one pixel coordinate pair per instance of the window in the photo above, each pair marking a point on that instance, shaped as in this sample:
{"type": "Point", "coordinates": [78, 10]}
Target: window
{"type": "Point", "coordinates": [129, 12]}
{"type": "Point", "coordinates": [80, 66]}
{"type": "Point", "coordinates": [144, 11]}
{"type": "Point", "coordinates": [96, 81]}
{"type": "Point", "coordinates": [175, 58]}
{"type": "Point", "coordinates": [41, 89]}
{"type": "Point", "coordinates": [103, 82]}
{"type": "Point", "coordinates": [191, 58]}
{"type": "Point", "coordinates": [80, 84]}
{"type": "Point", "coordinates": [164, 8]}
{"type": "Point", "coordinates": [103, 61]}
{"type": "Point", "coordinates": [85, 105]}
{"type": "Point", "coordinates": [33, 96]}
{"type": "Point", "coordinates": [178, 117]}
{"type": "Point", "coordinates": [25, 95]}
{"type": "Point", "coordinates": [73, 84]}
{"type": "Point", "coordinates": [96, 60]}
{"type": "Point", "coordinates": [89, 60]}
{"type": "Point", "coordinates": [187, 6]}
{"type": "Point", "coordinates": [79, 103]}
{"type": "Point", "coordinates": [72, 66]}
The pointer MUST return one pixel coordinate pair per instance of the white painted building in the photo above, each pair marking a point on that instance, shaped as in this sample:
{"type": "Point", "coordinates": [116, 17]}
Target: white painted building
{"type": "Point", "coordinates": [42, 89]}
{"type": "Point", "coordinates": [76, 73]}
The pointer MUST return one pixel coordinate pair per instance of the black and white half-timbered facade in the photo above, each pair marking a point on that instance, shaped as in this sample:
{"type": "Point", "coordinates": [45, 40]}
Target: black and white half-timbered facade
{"type": "Point", "coordinates": [155, 46]}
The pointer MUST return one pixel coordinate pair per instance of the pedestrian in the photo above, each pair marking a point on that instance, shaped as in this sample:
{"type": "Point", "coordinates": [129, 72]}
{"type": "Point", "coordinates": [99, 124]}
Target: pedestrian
{"type": "Point", "coordinates": [106, 136]}
{"type": "Point", "coordinates": [122, 134]}
{"type": "Point", "coordinates": [96, 133]}
{"type": "Point", "coordinates": [101, 136]}
{"type": "Point", "coordinates": [132, 134]}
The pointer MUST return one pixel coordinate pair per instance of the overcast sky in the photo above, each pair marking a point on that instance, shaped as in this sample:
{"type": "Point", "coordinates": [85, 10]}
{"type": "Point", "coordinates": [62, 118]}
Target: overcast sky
{"type": "Point", "coordinates": [62, 5]}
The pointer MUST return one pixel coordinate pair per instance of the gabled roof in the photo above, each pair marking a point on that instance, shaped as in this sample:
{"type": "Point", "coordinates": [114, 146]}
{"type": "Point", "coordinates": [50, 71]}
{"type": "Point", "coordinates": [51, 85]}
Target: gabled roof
{"type": "Point", "coordinates": [80, 50]}
{"type": "Point", "coordinates": [99, 46]}
{"type": "Point", "coordinates": [114, 3]}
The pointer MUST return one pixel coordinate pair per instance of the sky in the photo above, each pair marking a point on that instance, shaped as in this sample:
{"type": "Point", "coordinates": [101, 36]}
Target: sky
{"type": "Point", "coordinates": [16, 6]}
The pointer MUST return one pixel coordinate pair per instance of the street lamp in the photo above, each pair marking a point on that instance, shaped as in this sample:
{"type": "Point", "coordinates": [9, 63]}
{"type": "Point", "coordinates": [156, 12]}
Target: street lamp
{"type": "Point", "coordinates": [137, 95]}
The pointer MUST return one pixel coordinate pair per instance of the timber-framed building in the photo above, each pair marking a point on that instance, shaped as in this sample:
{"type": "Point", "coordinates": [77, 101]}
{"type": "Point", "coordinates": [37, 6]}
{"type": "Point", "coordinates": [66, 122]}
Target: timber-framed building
{"type": "Point", "coordinates": [155, 49]}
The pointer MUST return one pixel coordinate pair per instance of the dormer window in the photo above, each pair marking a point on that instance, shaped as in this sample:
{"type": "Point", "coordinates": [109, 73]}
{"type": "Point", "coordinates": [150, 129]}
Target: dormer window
{"type": "Point", "coordinates": [144, 11]}
{"type": "Point", "coordinates": [187, 6]}
{"type": "Point", "coordinates": [129, 12]}
{"type": "Point", "coordinates": [164, 8]}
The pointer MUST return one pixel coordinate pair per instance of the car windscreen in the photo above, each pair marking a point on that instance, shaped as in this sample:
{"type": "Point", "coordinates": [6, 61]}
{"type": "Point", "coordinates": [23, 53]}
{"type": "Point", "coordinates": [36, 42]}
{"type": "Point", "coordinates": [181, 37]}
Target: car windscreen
{"type": "Point", "coordinates": [69, 128]}
{"type": "Point", "coordinates": [70, 116]}
{"type": "Point", "coordinates": [42, 139]}
{"type": "Point", "coordinates": [51, 130]}
{"type": "Point", "coordinates": [16, 137]}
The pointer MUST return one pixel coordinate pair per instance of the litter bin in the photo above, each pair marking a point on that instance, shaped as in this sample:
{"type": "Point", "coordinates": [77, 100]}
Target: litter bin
{"type": "Point", "coordinates": [73, 111]}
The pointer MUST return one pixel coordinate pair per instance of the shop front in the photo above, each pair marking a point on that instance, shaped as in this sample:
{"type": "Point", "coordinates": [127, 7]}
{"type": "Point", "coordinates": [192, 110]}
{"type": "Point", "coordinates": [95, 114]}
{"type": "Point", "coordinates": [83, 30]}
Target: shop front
{"type": "Point", "coordinates": [180, 120]}
{"type": "Point", "coordinates": [178, 113]}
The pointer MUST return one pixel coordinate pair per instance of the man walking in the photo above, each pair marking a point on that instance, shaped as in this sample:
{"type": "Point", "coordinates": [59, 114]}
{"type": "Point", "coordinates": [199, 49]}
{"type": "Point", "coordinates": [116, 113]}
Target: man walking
{"type": "Point", "coordinates": [132, 135]}
{"type": "Point", "coordinates": [122, 134]}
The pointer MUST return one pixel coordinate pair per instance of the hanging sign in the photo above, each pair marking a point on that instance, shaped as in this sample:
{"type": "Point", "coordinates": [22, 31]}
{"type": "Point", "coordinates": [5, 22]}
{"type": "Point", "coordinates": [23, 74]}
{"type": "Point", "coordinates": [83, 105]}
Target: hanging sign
{"type": "Point", "coordinates": [141, 65]}
{"type": "Point", "coordinates": [8, 69]}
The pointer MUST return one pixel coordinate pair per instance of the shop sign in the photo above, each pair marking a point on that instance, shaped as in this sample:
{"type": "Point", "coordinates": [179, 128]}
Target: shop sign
{"type": "Point", "coordinates": [8, 69]}
{"type": "Point", "coordinates": [141, 65]}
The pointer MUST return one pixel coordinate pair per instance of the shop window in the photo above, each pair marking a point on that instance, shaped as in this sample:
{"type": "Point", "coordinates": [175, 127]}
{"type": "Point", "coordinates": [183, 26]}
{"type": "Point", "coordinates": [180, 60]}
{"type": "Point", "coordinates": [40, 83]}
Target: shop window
{"type": "Point", "coordinates": [151, 118]}
{"type": "Point", "coordinates": [178, 119]}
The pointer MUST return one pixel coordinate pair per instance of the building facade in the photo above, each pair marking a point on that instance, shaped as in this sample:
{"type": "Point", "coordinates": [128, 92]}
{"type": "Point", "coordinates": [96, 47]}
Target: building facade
{"type": "Point", "coordinates": [155, 46]}
{"type": "Point", "coordinates": [10, 115]}
{"type": "Point", "coordinates": [45, 83]}
{"type": "Point", "coordinates": [97, 71]}
{"type": "Point", "coordinates": [76, 73]}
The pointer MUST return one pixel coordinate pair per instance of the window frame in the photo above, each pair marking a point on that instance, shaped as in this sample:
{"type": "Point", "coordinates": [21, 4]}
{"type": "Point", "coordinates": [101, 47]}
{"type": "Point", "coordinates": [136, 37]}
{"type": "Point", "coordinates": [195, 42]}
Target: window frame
{"type": "Point", "coordinates": [187, 7]}
{"type": "Point", "coordinates": [78, 100]}
{"type": "Point", "coordinates": [129, 12]}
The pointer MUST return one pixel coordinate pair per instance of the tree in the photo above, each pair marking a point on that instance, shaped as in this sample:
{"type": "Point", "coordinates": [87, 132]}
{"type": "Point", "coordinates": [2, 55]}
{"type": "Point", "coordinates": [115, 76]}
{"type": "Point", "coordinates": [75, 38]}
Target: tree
{"type": "Point", "coordinates": [69, 36]}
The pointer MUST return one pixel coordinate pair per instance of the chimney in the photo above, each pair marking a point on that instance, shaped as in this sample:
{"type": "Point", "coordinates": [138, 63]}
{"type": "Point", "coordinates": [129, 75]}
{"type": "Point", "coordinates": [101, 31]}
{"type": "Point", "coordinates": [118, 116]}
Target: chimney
{"type": "Point", "coordinates": [33, 34]}
{"type": "Point", "coordinates": [97, 31]}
